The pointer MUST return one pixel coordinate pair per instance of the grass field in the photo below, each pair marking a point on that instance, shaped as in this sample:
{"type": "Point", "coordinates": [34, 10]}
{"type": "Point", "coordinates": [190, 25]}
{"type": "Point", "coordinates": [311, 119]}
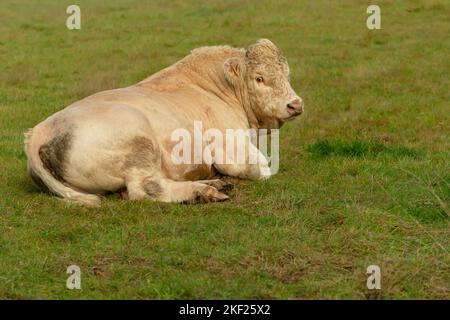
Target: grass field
{"type": "Point", "coordinates": [364, 173]}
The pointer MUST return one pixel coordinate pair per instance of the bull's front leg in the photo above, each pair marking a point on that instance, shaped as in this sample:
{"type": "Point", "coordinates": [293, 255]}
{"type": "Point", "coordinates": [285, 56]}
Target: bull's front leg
{"type": "Point", "coordinates": [254, 167]}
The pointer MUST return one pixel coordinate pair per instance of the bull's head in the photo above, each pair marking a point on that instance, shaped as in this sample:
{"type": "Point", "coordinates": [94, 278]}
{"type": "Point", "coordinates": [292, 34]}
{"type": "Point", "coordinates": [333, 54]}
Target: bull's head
{"type": "Point", "coordinates": [263, 78]}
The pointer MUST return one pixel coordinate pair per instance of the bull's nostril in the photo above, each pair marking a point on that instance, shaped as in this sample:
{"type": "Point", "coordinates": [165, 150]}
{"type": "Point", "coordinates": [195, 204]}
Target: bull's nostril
{"type": "Point", "coordinates": [295, 106]}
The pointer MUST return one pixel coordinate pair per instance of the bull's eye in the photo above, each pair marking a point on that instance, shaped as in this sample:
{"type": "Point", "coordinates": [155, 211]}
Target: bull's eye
{"type": "Point", "coordinates": [259, 79]}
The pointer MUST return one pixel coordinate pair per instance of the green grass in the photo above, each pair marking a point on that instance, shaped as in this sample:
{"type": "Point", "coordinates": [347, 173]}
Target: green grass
{"type": "Point", "coordinates": [360, 149]}
{"type": "Point", "coordinates": [364, 173]}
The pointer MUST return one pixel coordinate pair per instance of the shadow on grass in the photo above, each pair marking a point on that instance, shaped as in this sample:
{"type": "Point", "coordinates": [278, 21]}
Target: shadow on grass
{"type": "Point", "coordinates": [360, 149]}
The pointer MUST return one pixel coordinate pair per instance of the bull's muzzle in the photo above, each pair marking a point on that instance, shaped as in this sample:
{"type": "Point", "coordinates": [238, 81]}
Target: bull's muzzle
{"type": "Point", "coordinates": [296, 106]}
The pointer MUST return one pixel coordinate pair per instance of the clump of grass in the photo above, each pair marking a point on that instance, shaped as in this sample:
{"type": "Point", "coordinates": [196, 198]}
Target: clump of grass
{"type": "Point", "coordinates": [359, 149]}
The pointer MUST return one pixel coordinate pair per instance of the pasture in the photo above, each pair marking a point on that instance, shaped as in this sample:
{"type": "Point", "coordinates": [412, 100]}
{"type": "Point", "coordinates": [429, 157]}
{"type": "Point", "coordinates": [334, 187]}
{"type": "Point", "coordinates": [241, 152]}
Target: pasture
{"type": "Point", "coordinates": [364, 172]}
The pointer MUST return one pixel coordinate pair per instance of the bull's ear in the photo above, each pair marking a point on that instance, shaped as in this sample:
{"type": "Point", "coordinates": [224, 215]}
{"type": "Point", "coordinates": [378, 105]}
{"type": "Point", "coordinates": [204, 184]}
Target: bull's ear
{"type": "Point", "coordinates": [234, 69]}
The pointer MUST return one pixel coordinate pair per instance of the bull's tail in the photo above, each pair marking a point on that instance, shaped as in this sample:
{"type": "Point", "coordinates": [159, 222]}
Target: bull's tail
{"type": "Point", "coordinates": [34, 139]}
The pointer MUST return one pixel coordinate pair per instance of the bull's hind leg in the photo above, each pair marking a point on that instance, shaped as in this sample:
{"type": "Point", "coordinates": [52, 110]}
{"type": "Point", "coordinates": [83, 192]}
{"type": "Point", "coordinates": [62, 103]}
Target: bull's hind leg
{"type": "Point", "coordinates": [166, 190]}
{"type": "Point", "coordinates": [190, 192]}
{"type": "Point", "coordinates": [144, 180]}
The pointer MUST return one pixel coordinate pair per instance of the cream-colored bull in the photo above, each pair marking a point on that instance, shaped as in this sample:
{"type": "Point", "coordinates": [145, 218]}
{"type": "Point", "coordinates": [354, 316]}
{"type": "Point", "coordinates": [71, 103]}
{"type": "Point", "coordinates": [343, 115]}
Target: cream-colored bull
{"type": "Point", "coordinates": [121, 139]}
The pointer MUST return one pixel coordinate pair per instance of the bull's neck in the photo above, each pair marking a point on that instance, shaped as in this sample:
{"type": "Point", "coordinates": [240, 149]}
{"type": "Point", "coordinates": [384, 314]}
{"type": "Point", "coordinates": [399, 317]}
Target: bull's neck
{"type": "Point", "coordinates": [241, 94]}
{"type": "Point", "coordinates": [214, 81]}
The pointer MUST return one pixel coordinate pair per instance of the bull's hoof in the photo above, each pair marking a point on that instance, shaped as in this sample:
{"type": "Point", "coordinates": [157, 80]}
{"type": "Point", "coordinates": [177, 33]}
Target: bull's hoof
{"type": "Point", "coordinates": [207, 195]}
{"type": "Point", "coordinates": [227, 186]}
